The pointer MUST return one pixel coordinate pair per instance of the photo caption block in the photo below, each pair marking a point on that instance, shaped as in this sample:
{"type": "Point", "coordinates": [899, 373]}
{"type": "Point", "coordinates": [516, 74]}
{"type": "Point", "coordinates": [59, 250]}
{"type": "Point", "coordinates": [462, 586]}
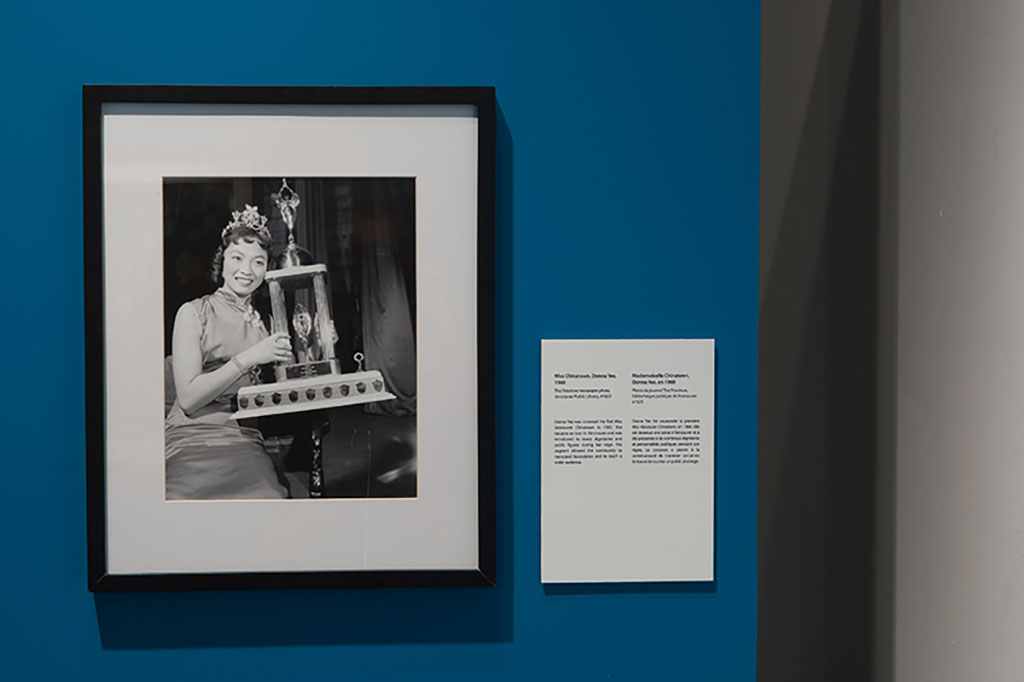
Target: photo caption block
{"type": "Point", "coordinates": [627, 460]}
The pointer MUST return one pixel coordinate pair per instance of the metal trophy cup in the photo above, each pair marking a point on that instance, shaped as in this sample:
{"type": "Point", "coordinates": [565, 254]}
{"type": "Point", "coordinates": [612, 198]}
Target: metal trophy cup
{"type": "Point", "coordinates": [314, 380]}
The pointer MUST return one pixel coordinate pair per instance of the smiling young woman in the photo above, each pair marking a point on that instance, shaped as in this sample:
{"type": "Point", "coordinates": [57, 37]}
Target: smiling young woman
{"type": "Point", "coordinates": [245, 265]}
{"type": "Point", "coordinates": [218, 341]}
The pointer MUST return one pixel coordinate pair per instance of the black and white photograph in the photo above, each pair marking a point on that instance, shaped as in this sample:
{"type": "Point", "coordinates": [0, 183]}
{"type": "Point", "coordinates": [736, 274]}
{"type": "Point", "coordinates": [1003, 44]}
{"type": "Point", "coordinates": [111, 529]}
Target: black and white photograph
{"type": "Point", "coordinates": [290, 318]}
{"type": "Point", "coordinates": [290, 349]}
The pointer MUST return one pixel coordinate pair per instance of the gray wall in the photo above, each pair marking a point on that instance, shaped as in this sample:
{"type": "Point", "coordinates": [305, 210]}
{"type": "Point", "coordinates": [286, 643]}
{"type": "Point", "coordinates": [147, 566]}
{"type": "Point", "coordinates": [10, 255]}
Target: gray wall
{"type": "Point", "coordinates": [891, 436]}
{"type": "Point", "coordinates": [825, 322]}
{"type": "Point", "coordinates": [959, 579]}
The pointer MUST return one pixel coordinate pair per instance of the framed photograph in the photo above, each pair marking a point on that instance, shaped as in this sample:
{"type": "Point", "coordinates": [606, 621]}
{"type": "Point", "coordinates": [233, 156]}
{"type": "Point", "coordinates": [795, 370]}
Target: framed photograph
{"type": "Point", "coordinates": [289, 297]}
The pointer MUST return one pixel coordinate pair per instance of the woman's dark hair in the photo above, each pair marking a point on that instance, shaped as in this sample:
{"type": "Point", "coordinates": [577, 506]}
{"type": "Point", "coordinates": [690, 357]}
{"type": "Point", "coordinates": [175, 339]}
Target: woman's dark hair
{"type": "Point", "coordinates": [233, 235]}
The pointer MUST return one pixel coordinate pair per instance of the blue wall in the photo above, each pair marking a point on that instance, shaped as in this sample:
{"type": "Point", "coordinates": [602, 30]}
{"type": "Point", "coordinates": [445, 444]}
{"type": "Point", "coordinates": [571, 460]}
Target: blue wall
{"type": "Point", "coordinates": [627, 200]}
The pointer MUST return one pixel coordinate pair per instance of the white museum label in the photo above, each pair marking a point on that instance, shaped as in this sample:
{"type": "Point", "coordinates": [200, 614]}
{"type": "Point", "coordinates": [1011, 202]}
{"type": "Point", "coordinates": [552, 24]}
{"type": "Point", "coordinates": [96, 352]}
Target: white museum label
{"type": "Point", "coordinates": [627, 460]}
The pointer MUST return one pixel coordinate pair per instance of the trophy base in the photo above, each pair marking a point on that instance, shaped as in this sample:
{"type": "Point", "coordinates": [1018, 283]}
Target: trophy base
{"type": "Point", "coordinates": [311, 393]}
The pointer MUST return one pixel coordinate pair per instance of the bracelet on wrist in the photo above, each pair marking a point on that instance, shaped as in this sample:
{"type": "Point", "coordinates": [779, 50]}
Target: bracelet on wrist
{"type": "Point", "coordinates": [238, 365]}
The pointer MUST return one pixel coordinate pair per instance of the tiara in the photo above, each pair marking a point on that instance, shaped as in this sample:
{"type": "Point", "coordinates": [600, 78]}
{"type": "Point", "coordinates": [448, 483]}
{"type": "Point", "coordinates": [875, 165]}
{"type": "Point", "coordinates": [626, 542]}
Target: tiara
{"type": "Point", "coordinates": [250, 218]}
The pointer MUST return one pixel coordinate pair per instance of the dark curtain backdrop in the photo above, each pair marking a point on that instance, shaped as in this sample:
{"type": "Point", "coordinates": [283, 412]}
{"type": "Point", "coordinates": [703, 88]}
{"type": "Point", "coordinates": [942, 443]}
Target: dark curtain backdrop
{"type": "Point", "coordinates": [387, 314]}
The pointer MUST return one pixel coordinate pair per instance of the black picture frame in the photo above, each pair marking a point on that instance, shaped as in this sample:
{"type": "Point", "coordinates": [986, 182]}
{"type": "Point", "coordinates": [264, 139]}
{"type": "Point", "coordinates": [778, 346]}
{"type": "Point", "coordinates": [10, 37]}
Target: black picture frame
{"type": "Point", "coordinates": [102, 577]}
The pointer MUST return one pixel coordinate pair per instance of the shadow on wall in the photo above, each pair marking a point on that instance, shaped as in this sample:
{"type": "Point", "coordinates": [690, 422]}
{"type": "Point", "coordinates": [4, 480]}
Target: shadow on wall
{"type": "Point", "coordinates": [355, 616]}
{"type": "Point", "coordinates": [300, 618]}
{"type": "Point", "coordinates": [819, 324]}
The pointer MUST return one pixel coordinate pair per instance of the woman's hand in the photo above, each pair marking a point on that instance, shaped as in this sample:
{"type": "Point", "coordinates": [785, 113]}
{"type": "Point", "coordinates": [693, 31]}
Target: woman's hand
{"type": "Point", "coordinates": [276, 347]}
{"type": "Point", "coordinates": [194, 388]}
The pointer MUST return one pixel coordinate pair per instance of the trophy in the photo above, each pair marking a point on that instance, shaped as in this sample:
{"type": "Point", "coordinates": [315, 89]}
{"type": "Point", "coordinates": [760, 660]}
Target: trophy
{"type": "Point", "coordinates": [313, 380]}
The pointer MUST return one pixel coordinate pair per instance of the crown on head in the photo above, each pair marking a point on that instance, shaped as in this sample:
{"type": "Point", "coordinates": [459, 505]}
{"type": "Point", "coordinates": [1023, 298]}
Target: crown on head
{"type": "Point", "coordinates": [250, 218]}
